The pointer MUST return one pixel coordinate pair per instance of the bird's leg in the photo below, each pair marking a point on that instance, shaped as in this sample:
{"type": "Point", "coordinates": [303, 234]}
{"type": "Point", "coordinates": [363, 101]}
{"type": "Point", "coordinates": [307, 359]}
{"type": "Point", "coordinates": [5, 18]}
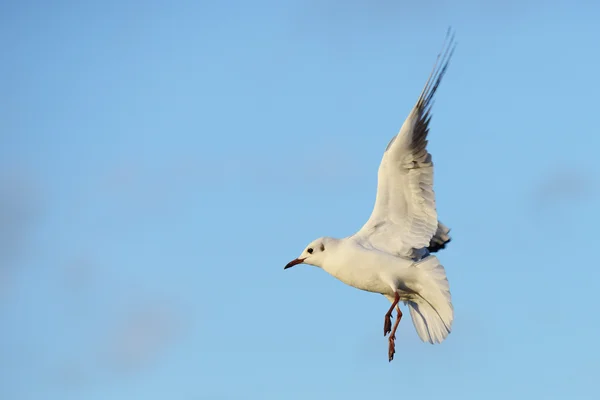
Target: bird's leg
{"type": "Point", "coordinates": [387, 323]}
{"type": "Point", "coordinates": [392, 338]}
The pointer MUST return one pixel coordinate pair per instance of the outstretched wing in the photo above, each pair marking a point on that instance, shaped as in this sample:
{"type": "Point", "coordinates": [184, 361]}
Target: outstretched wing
{"type": "Point", "coordinates": [404, 220]}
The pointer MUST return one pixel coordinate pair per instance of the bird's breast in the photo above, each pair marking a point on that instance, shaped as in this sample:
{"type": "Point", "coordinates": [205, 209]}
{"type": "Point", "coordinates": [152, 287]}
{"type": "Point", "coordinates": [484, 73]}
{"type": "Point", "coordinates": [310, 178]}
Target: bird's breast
{"type": "Point", "coordinates": [361, 271]}
{"type": "Point", "coordinates": [368, 282]}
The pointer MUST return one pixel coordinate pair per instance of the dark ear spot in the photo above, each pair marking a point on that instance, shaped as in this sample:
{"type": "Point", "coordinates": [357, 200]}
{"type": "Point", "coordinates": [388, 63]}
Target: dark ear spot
{"type": "Point", "coordinates": [322, 247]}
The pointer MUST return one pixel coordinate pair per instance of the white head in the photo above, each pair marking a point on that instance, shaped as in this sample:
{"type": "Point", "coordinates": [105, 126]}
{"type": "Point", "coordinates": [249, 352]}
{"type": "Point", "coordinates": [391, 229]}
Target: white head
{"type": "Point", "coordinates": [315, 253]}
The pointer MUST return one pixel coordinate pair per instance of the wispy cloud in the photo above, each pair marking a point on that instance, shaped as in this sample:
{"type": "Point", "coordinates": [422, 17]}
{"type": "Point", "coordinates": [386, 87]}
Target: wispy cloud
{"type": "Point", "coordinates": [142, 335]}
{"type": "Point", "coordinates": [564, 183]}
{"type": "Point", "coordinates": [19, 204]}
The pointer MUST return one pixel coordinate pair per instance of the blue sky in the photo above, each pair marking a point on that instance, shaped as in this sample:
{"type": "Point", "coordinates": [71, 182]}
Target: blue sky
{"type": "Point", "coordinates": [161, 162]}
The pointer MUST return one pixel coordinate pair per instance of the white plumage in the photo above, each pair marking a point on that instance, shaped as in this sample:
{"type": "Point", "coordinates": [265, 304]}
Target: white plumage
{"type": "Point", "coordinates": [391, 253]}
{"type": "Point", "coordinates": [404, 219]}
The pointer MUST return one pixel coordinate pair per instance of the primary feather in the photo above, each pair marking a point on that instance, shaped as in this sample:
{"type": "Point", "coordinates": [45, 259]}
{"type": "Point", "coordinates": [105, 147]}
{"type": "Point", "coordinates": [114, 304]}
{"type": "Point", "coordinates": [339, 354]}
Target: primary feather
{"type": "Point", "coordinates": [404, 220]}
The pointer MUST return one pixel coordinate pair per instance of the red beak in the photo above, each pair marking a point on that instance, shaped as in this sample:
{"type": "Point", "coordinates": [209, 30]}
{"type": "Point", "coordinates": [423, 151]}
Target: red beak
{"type": "Point", "coordinates": [294, 262]}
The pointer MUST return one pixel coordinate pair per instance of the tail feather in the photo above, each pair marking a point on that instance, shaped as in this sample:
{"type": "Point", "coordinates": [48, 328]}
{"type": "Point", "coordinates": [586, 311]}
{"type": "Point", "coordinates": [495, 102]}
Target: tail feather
{"type": "Point", "coordinates": [432, 313]}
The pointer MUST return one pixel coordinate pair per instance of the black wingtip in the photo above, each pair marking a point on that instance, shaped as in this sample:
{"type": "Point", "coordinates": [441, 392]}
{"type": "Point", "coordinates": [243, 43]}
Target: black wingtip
{"type": "Point", "coordinates": [434, 247]}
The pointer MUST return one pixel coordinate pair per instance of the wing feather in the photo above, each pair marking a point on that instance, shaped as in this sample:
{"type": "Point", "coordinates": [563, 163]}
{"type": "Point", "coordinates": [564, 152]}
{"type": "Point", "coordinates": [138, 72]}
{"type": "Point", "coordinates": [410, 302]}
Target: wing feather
{"type": "Point", "coordinates": [404, 220]}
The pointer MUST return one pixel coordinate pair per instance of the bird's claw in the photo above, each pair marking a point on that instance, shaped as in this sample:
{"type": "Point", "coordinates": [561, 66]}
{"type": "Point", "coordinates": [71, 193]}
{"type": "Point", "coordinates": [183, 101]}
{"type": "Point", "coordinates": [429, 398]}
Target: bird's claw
{"type": "Point", "coordinates": [387, 325]}
{"type": "Point", "coordinates": [391, 348]}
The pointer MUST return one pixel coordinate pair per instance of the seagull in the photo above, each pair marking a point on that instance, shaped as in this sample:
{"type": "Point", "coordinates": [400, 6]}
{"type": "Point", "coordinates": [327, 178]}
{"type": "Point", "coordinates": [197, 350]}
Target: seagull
{"type": "Point", "coordinates": [392, 253]}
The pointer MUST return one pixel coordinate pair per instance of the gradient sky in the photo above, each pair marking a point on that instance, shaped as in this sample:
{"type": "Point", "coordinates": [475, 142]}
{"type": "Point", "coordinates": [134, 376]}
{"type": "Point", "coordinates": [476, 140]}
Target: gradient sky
{"type": "Point", "coordinates": [160, 162]}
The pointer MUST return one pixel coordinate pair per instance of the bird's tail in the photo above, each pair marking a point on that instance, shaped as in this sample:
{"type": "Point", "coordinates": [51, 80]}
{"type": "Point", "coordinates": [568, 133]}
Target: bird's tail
{"type": "Point", "coordinates": [432, 311]}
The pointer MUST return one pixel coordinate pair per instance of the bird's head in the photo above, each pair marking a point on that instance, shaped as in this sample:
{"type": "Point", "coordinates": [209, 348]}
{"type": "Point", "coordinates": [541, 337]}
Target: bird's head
{"type": "Point", "coordinates": [315, 253]}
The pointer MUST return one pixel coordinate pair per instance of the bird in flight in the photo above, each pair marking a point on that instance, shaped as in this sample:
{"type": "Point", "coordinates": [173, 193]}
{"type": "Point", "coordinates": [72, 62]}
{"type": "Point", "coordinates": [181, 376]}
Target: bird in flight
{"type": "Point", "coordinates": [392, 253]}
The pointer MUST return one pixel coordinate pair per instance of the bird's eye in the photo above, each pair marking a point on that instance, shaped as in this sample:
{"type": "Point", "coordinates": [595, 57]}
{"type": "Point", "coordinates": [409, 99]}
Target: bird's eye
{"type": "Point", "coordinates": [310, 250]}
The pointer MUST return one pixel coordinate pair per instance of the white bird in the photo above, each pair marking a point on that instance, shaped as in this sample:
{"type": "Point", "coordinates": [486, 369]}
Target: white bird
{"type": "Point", "coordinates": [391, 253]}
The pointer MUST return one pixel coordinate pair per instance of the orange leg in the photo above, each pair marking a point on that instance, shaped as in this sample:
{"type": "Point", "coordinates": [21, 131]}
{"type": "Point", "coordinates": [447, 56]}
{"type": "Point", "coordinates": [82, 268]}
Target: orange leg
{"type": "Point", "coordinates": [392, 338]}
{"type": "Point", "coordinates": [387, 323]}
